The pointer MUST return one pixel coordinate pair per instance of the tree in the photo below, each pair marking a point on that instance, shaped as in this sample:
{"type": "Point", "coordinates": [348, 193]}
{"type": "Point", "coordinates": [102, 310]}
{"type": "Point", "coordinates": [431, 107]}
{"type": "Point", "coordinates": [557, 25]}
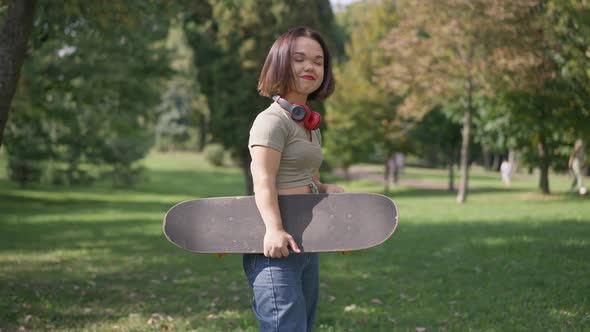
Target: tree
{"type": "Point", "coordinates": [544, 114]}
{"type": "Point", "coordinates": [91, 83]}
{"type": "Point", "coordinates": [183, 113]}
{"type": "Point", "coordinates": [438, 135]}
{"type": "Point", "coordinates": [361, 115]}
{"type": "Point", "coordinates": [230, 43]}
{"type": "Point", "coordinates": [14, 37]}
{"type": "Point", "coordinates": [442, 51]}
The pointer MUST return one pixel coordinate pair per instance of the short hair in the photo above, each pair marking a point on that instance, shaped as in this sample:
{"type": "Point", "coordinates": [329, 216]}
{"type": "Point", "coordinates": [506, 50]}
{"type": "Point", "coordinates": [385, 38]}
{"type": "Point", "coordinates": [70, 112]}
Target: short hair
{"type": "Point", "coordinates": [276, 77]}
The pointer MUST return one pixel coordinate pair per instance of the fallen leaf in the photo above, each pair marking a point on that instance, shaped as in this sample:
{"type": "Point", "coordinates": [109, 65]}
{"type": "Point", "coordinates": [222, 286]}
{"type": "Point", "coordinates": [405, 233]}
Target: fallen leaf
{"type": "Point", "coordinates": [331, 298]}
{"type": "Point", "coordinates": [350, 307]}
{"type": "Point", "coordinates": [420, 329]}
{"type": "Point", "coordinates": [376, 301]}
{"type": "Point", "coordinates": [163, 327]}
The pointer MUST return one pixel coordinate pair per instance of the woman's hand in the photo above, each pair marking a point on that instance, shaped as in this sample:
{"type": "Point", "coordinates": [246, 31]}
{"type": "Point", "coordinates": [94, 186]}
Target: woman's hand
{"type": "Point", "coordinates": [277, 243]}
{"type": "Point", "coordinates": [332, 188]}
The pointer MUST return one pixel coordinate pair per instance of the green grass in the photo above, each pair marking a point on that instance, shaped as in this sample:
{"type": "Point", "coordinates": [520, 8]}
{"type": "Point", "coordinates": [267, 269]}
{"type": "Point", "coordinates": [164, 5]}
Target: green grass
{"type": "Point", "coordinates": [511, 259]}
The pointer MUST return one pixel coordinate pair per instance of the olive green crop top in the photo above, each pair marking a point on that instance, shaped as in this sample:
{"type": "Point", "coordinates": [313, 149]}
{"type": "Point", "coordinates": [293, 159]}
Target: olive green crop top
{"type": "Point", "coordinates": [300, 157]}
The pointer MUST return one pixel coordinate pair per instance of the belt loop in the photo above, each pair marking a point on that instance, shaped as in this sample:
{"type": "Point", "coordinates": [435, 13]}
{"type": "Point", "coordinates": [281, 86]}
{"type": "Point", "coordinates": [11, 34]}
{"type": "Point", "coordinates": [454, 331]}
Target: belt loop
{"type": "Point", "coordinates": [313, 188]}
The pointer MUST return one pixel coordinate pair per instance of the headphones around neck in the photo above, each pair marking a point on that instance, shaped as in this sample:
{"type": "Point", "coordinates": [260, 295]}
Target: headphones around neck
{"type": "Point", "coordinates": [300, 112]}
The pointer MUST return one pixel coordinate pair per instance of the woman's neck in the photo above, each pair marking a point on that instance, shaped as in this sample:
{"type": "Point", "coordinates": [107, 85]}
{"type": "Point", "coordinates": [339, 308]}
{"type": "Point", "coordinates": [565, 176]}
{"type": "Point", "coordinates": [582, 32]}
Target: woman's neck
{"type": "Point", "coordinates": [294, 97]}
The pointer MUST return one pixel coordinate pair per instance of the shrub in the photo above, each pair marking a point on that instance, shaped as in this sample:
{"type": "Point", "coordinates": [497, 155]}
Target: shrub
{"type": "Point", "coordinates": [215, 154]}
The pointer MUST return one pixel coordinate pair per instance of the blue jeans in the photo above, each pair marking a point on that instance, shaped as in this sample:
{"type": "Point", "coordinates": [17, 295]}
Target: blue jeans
{"type": "Point", "coordinates": [286, 290]}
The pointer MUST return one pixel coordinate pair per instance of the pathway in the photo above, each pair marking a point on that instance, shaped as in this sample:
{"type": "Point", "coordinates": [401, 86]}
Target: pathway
{"type": "Point", "coordinates": [360, 172]}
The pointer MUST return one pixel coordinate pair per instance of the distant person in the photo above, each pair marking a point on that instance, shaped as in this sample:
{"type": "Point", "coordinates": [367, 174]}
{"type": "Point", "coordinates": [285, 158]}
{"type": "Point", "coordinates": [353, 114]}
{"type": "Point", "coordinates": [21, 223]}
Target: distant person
{"type": "Point", "coordinates": [400, 159]}
{"type": "Point", "coordinates": [506, 170]}
{"type": "Point", "coordinates": [576, 164]}
{"type": "Point", "coordinates": [393, 169]}
{"type": "Point", "coordinates": [286, 156]}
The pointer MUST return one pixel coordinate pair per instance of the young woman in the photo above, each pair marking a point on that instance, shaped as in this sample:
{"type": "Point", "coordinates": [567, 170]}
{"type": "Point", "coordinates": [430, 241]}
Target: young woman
{"type": "Point", "coordinates": [285, 145]}
{"type": "Point", "coordinates": [576, 164]}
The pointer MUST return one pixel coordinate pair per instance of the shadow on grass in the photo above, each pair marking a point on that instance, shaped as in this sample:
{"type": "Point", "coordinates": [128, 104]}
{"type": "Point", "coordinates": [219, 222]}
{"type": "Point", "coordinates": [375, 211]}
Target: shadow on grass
{"type": "Point", "coordinates": [218, 182]}
{"type": "Point", "coordinates": [476, 276]}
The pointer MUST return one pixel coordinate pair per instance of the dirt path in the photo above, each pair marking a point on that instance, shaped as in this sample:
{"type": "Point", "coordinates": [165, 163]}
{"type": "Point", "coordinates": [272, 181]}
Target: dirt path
{"type": "Point", "coordinates": [359, 172]}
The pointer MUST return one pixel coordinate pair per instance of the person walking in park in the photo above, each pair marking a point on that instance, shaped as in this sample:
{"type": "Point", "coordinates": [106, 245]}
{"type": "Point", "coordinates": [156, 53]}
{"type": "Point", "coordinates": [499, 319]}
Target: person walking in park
{"type": "Point", "coordinates": [285, 146]}
{"type": "Point", "coordinates": [506, 171]}
{"type": "Point", "coordinates": [576, 164]}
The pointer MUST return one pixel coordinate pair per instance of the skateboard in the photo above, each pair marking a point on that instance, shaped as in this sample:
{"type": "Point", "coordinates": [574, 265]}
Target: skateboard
{"type": "Point", "coordinates": [318, 223]}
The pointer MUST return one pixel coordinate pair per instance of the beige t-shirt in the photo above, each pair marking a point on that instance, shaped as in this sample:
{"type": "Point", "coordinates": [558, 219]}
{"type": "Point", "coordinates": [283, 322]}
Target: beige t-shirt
{"type": "Point", "coordinates": [300, 157]}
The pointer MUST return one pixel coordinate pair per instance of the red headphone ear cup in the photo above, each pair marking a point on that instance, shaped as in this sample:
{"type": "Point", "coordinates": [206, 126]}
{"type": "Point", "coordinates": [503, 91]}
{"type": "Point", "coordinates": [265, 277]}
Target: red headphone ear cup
{"type": "Point", "coordinates": [312, 121]}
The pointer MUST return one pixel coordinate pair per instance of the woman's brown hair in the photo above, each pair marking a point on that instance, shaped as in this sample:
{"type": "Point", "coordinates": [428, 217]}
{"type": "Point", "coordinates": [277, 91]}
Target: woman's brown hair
{"type": "Point", "coordinates": [277, 78]}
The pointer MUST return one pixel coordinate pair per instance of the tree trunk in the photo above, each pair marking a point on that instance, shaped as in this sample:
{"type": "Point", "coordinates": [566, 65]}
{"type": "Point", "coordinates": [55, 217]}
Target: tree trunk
{"type": "Point", "coordinates": [451, 171]}
{"type": "Point", "coordinates": [245, 162]}
{"type": "Point", "coordinates": [497, 162]}
{"type": "Point", "coordinates": [202, 132]}
{"type": "Point", "coordinates": [513, 160]}
{"type": "Point", "coordinates": [14, 37]}
{"type": "Point", "coordinates": [487, 161]}
{"type": "Point", "coordinates": [545, 162]}
{"type": "Point", "coordinates": [464, 163]}
{"type": "Point", "coordinates": [386, 177]}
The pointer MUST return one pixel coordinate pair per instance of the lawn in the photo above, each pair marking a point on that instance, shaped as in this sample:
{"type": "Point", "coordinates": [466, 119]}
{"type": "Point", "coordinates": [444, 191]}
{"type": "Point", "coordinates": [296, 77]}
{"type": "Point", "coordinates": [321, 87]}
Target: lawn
{"type": "Point", "coordinates": [94, 258]}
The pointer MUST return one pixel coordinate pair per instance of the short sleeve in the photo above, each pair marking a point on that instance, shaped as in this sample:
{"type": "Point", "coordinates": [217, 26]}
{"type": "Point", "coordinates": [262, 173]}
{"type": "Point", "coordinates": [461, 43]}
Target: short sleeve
{"type": "Point", "coordinates": [268, 130]}
{"type": "Point", "coordinates": [319, 135]}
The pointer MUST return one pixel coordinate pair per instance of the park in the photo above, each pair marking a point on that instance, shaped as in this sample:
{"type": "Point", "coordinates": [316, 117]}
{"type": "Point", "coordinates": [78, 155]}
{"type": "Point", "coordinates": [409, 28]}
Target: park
{"type": "Point", "coordinates": [112, 113]}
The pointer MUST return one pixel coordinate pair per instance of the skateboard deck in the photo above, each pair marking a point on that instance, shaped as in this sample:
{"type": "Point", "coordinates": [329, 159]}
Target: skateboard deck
{"type": "Point", "coordinates": [317, 222]}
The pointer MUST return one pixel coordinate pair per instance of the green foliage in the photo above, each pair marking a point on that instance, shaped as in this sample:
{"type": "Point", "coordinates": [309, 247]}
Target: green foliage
{"type": "Point", "coordinates": [436, 138]}
{"type": "Point", "coordinates": [92, 81]}
{"type": "Point", "coordinates": [215, 154]}
{"type": "Point", "coordinates": [231, 40]}
{"type": "Point", "coordinates": [361, 115]}
{"type": "Point", "coordinates": [182, 108]}
{"type": "Point", "coordinates": [29, 148]}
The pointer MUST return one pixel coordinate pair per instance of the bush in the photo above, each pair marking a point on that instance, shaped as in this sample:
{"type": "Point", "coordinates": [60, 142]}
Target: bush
{"type": "Point", "coordinates": [25, 171]}
{"type": "Point", "coordinates": [215, 154]}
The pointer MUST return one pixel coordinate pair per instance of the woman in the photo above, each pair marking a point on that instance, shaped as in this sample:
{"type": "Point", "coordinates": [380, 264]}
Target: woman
{"type": "Point", "coordinates": [576, 164]}
{"type": "Point", "coordinates": [286, 156]}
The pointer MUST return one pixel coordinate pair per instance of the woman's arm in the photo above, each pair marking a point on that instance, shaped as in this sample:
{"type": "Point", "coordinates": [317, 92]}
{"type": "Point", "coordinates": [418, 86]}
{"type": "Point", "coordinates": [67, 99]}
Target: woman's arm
{"type": "Point", "coordinates": [325, 188]}
{"type": "Point", "coordinates": [264, 167]}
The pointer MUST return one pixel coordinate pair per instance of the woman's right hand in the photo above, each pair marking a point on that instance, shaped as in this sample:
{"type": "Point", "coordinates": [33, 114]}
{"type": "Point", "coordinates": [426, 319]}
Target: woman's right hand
{"type": "Point", "coordinates": [277, 243]}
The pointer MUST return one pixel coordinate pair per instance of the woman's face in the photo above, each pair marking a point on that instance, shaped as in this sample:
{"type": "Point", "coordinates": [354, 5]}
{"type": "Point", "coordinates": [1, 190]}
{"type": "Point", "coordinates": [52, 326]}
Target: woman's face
{"type": "Point", "coordinates": [307, 62]}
